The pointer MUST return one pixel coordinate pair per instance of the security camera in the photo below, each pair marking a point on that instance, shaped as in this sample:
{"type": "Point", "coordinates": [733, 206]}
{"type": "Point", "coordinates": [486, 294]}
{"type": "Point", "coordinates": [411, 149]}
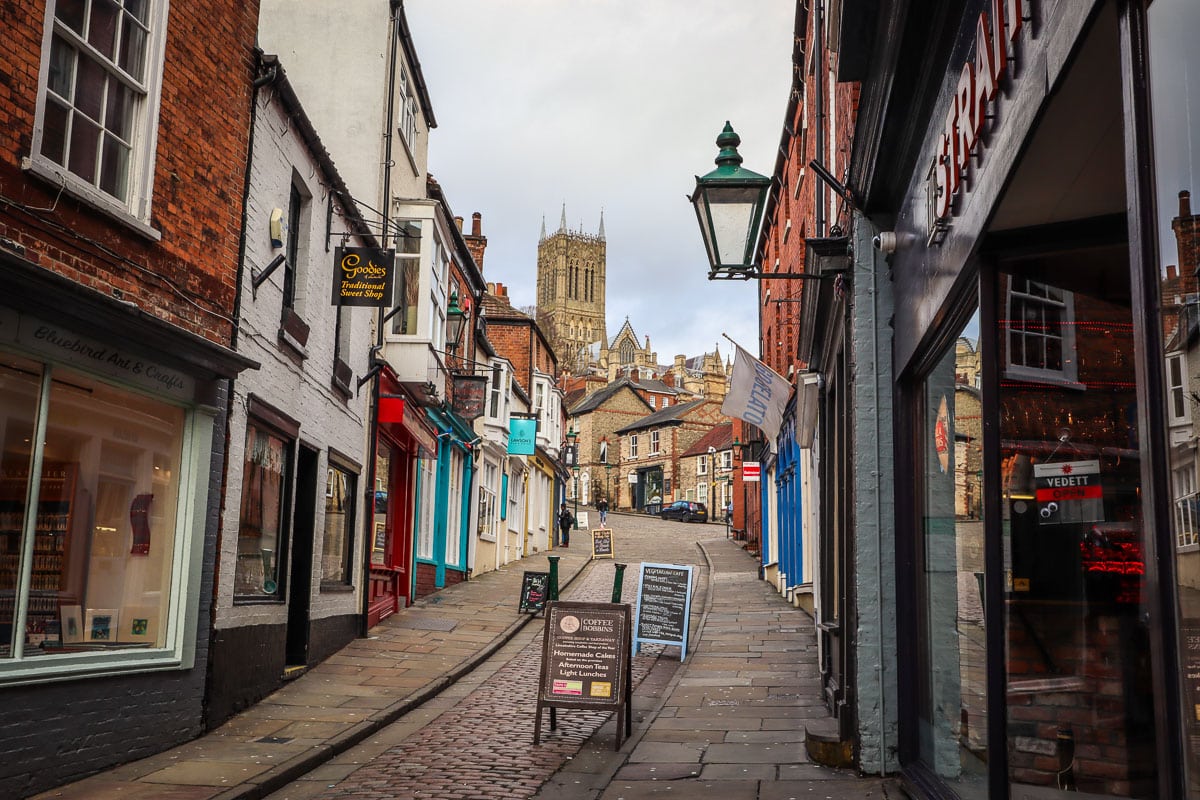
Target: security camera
{"type": "Point", "coordinates": [885, 242]}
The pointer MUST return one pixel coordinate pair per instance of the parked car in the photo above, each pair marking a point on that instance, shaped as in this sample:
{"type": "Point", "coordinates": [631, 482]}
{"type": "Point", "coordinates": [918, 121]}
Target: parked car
{"type": "Point", "coordinates": [685, 511]}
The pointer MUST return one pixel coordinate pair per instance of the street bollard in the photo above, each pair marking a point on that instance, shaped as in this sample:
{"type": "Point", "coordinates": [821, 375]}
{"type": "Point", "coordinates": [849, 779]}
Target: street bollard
{"type": "Point", "coordinates": [618, 579]}
{"type": "Point", "coordinates": [553, 576]}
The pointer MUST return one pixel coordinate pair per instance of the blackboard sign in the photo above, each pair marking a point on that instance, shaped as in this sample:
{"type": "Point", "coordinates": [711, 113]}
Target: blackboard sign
{"type": "Point", "coordinates": [535, 591]}
{"type": "Point", "coordinates": [664, 602]}
{"type": "Point", "coordinates": [586, 662]}
{"type": "Point", "coordinates": [602, 545]}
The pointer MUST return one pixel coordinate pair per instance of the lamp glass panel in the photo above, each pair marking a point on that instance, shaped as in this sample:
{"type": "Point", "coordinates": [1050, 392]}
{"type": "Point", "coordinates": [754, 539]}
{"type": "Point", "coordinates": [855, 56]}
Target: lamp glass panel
{"type": "Point", "coordinates": [731, 211]}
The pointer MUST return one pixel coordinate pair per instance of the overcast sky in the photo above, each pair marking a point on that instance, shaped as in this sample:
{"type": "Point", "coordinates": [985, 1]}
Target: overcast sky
{"type": "Point", "coordinates": [613, 106]}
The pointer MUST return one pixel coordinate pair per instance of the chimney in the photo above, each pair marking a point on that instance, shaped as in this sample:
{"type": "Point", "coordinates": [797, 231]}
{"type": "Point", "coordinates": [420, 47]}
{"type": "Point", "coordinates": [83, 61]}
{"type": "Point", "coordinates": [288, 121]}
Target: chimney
{"type": "Point", "coordinates": [476, 241]}
{"type": "Point", "coordinates": [476, 224]}
{"type": "Point", "coordinates": [491, 288]}
{"type": "Point", "coordinates": [458, 221]}
{"type": "Point", "coordinates": [501, 291]}
{"type": "Point", "coordinates": [1185, 203]}
{"type": "Point", "coordinates": [1172, 272]}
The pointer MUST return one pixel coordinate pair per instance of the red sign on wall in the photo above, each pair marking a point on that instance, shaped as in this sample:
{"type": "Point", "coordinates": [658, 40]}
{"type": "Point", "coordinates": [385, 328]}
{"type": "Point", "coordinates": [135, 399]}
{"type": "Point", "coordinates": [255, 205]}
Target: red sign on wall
{"type": "Point", "coordinates": [750, 471]}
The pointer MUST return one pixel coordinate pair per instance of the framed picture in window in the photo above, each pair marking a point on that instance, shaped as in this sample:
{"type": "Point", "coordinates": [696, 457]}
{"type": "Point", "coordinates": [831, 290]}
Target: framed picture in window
{"type": "Point", "coordinates": [139, 625]}
{"type": "Point", "coordinates": [72, 624]}
{"type": "Point", "coordinates": [100, 625]}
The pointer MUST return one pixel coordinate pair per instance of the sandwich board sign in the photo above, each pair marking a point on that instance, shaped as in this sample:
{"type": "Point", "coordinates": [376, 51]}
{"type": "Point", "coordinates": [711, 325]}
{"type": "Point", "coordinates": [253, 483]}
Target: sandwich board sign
{"type": "Point", "coordinates": [664, 604]}
{"type": "Point", "coordinates": [602, 544]}
{"type": "Point", "coordinates": [586, 663]}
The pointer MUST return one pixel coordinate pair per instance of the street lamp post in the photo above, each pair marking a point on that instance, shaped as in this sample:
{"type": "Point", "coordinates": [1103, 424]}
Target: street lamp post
{"type": "Point", "coordinates": [608, 486]}
{"type": "Point", "coordinates": [571, 435]}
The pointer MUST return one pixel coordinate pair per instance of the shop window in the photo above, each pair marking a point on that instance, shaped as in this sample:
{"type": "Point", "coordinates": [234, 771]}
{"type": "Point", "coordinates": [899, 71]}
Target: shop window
{"type": "Point", "coordinates": [1040, 331]}
{"type": "Point", "coordinates": [339, 527]}
{"type": "Point", "coordinates": [406, 286]}
{"type": "Point", "coordinates": [89, 563]}
{"type": "Point", "coordinates": [97, 112]}
{"type": "Point", "coordinates": [266, 477]}
{"type": "Point", "coordinates": [952, 657]}
{"type": "Point", "coordinates": [454, 521]}
{"type": "Point", "coordinates": [426, 486]}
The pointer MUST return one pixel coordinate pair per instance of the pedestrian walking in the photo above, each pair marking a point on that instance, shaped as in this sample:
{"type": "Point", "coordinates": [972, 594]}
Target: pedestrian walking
{"type": "Point", "coordinates": [602, 507]}
{"type": "Point", "coordinates": [565, 520]}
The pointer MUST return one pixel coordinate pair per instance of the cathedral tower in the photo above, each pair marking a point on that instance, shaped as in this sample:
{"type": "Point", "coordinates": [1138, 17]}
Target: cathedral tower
{"type": "Point", "coordinates": [571, 272]}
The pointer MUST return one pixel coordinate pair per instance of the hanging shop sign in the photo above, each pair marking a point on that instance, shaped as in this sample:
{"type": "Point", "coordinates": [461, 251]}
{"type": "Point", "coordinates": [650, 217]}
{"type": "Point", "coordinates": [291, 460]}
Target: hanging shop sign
{"type": "Point", "coordinates": [751, 470]}
{"type": "Point", "coordinates": [586, 663]}
{"type": "Point", "coordinates": [362, 276]}
{"type": "Point", "coordinates": [522, 436]}
{"type": "Point", "coordinates": [996, 38]}
{"type": "Point", "coordinates": [1068, 492]}
{"type": "Point", "coordinates": [470, 393]}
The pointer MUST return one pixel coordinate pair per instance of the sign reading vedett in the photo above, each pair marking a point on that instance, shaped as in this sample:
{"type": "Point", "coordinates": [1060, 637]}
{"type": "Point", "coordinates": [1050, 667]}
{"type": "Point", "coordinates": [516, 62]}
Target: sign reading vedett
{"type": "Point", "coordinates": [751, 470]}
{"type": "Point", "coordinates": [996, 37]}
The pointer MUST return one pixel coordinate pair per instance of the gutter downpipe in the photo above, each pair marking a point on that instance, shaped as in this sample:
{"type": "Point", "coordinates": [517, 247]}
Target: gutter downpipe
{"type": "Point", "coordinates": [373, 431]}
{"type": "Point", "coordinates": [878, 517]}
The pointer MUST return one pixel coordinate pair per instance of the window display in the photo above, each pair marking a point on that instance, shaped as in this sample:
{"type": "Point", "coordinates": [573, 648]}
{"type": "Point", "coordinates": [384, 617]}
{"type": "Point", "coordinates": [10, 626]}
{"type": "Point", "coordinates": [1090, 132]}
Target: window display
{"type": "Point", "coordinates": [265, 478]}
{"type": "Point", "coordinates": [87, 517]}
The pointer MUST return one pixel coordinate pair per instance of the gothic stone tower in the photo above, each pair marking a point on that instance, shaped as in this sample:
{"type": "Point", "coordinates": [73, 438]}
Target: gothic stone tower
{"type": "Point", "coordinates": [570, 291]}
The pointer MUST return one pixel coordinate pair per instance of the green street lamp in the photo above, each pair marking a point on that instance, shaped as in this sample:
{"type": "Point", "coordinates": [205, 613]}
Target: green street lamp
{"type": "Point", "coordinates": [729, 205]}
{"type": "Point", "coordinates": [455, 319]}
{"type": "Point", "coordinates": [571, 434]}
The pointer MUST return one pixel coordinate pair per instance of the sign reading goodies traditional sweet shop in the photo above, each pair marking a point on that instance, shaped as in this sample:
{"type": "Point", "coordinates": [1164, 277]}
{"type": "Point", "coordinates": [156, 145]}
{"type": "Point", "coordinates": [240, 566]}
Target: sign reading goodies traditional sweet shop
{"type": "Point", "coordinates": [362, 276]}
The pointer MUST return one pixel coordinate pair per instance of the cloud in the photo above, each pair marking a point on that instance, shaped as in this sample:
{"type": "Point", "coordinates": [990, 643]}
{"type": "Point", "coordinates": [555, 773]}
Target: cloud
{"type": "Point", "coordinates": [613, 106]}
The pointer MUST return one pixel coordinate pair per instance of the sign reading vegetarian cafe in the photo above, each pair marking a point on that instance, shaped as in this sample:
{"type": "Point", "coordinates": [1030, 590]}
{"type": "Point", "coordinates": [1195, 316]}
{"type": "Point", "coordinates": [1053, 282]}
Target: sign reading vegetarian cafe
{"type": "Point", "coordinates": [362, 276]}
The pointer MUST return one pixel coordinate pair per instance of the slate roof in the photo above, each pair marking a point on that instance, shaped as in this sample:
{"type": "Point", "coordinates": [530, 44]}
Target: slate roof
{"type": "Point", "coordinates": [597, 398]}
{"type": "Point", "coordinates": [719, 438]}
{"type": "Point", "coordinates": [662, 417]}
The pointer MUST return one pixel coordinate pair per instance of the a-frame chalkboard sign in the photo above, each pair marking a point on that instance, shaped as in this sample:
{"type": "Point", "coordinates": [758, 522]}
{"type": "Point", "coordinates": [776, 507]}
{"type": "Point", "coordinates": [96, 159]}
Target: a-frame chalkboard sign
{"type": "Point", "coordinates": [586, 663]}
{"type": "Point", "coordinates": [535, 591]}
{"type": "Point", "coordinates": [664, 604]}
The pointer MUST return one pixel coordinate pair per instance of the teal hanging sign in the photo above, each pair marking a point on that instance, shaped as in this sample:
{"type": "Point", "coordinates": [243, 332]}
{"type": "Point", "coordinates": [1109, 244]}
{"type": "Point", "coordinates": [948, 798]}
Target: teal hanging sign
{"type": "Point", "coordinates": [522, 437]}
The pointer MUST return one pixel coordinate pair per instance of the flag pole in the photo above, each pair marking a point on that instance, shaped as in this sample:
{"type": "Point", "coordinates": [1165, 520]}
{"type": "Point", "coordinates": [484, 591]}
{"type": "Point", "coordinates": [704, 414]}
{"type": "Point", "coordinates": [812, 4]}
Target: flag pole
{"type": "Point", "coordinates": [760, 361]}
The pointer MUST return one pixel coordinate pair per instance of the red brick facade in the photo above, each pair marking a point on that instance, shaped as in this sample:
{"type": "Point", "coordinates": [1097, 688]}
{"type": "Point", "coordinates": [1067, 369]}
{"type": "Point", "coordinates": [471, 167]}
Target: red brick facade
{"type": "Point", "coordinates": [187, 278]}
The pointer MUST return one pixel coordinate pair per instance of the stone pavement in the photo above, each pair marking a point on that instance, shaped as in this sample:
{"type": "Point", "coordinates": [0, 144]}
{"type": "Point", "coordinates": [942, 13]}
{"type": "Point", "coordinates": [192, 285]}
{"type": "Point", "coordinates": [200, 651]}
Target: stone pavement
{"type": "Point", "coordinates": [408, 658]}
{"type": "Point", "coordinates": [730, 723]}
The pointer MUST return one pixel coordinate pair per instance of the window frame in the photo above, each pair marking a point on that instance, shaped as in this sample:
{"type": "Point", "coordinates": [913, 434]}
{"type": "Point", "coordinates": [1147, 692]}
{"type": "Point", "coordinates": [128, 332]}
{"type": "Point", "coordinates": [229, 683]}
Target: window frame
{"type": "Point", "coordinates": [1177, 389]}
{"type": "Point", "coordinates": [654, 443]}
{"type": "Point", "coordinates": [633, 446]}
{"type": "Point", "coordinates": [135, 211]}
{"type": "Point", "coordinates": [1069, 372]}
{"type": "Point", "coordinates": [349, 526]}
{"type": "Point", "coordinates": [261, 418]}
{"type": "Point", "coordinates": [180, 622]}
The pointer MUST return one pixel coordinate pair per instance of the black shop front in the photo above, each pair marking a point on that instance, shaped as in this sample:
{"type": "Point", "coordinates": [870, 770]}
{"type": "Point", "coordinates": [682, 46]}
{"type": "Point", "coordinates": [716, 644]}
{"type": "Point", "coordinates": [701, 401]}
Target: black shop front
{"type": "Point", "coordinates": [1039, 181]}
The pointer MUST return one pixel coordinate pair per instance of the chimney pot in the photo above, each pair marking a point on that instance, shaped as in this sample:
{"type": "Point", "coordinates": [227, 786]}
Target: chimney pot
{"type": "Point", "coordinates": [458, 222]}
{"type": "Point", "coordinates": [1185, 203]}
{"type": "Point", "coordinates": [476, 224]}
{"type": "Point", "coordinates": [1171, 272]}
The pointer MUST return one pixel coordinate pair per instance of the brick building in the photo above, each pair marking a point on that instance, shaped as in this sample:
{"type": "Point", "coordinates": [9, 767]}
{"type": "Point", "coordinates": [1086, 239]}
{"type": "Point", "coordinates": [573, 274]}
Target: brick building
{"type": "Point", "coordinates": [652, 449]}
{"type": "Point", "coordinates": [595, 420]}
{"type": "Point", "coordinates": [122, 179]}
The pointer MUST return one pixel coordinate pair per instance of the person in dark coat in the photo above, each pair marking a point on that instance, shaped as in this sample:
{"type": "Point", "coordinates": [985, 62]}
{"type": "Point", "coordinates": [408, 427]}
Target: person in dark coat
{"type": "Point", "coordinates": [565, 520]}
{"type": "Point", "coordinates": [602, 507]}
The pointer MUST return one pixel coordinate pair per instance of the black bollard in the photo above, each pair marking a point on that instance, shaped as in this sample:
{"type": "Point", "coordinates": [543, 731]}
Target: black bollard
{"type": "Point", "coordinates": [553, 576]}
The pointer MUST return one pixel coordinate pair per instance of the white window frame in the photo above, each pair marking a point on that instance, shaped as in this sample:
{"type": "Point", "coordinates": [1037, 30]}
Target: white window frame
{"type": "Point", "coordinates": [633, 446]}
{"type": "Point", "coordinates": [1179, 410]}
{"type": "Point", "coordinates": [134, 211]}
{"type": "Point", "coordinates": [702, 493]}
{"type": "Point", "coordinates": [726, 460]}
{"type": "Point", "coordinates": [1068, 374]}
{"type": "Point", "coordinates": [1187, 507]}
{"type": "Point", "coordinates": [654, 443]}
{"type": "Point", "coordinates": [701, 465]}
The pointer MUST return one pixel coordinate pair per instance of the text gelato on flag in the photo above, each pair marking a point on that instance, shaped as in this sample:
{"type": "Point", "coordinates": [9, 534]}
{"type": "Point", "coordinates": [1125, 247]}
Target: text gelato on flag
{"type": "Point", "coordinates": [757, 394]}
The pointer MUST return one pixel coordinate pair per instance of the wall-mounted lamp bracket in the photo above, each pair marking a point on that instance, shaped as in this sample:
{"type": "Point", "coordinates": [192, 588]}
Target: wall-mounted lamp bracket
{"type": "Point", "coordinates": [258, 276]}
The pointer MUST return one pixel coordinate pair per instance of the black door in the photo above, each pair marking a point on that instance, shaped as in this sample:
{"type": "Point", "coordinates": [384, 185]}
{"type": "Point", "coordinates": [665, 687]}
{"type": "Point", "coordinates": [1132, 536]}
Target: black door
{"type": "Point", "coordinates": [300, 583]}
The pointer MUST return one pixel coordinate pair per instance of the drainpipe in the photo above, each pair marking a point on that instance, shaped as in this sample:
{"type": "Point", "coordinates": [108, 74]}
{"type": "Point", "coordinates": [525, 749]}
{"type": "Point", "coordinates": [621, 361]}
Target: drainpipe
{"type": "Point", "coordinates": [373, 417]}
{"type": "Point", "coordinates": [819, 102]}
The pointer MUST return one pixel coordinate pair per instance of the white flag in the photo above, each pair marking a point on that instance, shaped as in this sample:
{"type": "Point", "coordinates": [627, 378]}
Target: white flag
{"type": "Point", "coordinates": [757, 394]}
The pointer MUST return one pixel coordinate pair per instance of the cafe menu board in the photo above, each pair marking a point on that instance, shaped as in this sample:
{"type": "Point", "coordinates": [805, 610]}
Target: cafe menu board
{"type": "Point", "coordinates": [586, 662]}
{"type": "Point", "coordinates": [535, 591]}
{"type": "Point", "coordinates": [602, 544]}
{"type": "Point", "coordinates": [664, 601]}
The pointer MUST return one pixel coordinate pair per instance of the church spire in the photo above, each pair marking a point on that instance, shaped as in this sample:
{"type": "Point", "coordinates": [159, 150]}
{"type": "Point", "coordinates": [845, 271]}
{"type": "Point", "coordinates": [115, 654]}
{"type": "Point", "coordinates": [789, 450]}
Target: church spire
{"type": "Point", "coordinates": [543, 236]}
{"type": "Point", "coordinates": [562, 223]}
{"type": "Point", "coordinates": [601, 233]}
